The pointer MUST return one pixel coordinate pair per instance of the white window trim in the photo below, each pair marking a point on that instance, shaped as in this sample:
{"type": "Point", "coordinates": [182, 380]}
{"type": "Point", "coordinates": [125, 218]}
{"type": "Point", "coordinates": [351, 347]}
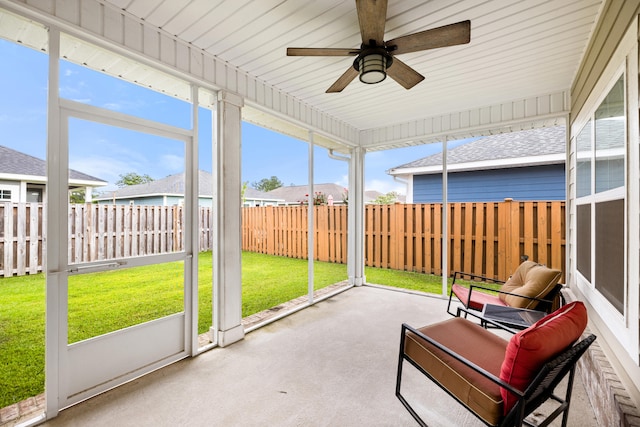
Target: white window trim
{"type": "Point", "coordinates": [624, 327]}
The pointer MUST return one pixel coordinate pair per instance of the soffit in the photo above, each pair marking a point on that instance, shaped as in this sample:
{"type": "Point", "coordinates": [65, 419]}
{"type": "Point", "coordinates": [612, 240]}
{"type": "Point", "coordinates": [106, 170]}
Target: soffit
{"type": "Point", "coordinates": [522, 53]}
{"type": "Point", "coordinates": [518, 50]}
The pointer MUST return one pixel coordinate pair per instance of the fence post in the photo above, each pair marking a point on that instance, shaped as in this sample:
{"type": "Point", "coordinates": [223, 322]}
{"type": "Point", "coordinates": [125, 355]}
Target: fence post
{"type": "Point", "coordinates": [396, 236]}
{"type": "Point", "coordinates": [455, 237]}
{"type": "Point", "coordinates": [437, 240]}
{"type": "Point", "coordinates": [556, 220]}
{"type": "Point", "coordinates": [514, 249]}
{"type": "Point", "coordinates": [505, 239]}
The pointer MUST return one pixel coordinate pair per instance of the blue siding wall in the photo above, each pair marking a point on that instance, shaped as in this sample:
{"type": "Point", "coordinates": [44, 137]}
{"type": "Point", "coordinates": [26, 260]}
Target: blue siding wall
{"type": "Point", "coordinates": [525, 183]}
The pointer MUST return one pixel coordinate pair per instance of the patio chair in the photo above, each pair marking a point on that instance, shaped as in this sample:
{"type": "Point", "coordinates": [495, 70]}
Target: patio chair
{"type": "Point", "coordinates": [532, 286]}
{"type": "Point", "coordinates": [507, 380]}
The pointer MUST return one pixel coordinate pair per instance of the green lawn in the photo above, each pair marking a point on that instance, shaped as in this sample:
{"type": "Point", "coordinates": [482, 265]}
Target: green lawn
{"type": "Point", "coordinates": [108, 301]}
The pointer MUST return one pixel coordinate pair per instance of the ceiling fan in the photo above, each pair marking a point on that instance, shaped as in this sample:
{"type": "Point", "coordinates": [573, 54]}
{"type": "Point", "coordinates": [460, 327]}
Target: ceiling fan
{"type": "Point", "coordinates": [376, 58]}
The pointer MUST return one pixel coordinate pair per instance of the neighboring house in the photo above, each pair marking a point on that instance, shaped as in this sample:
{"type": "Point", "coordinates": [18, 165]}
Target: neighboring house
{"type": "Point", "coordinates": [370, 195]}
{"type": "Point", "coordinates": [298, 194]}
{"type": "Point", "coordinates": [253, 197]}
{"type": "Point", "coordinates": [170, 191]}
{"type": "Point", "coordinates": [524, 165]}
{"type": "Point", "coordinates": [23, 178]}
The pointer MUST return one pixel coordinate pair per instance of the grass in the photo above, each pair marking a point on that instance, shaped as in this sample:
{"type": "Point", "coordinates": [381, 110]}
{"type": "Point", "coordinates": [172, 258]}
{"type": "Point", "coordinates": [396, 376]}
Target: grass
{"type": "Point", "coordinates": [405, 279]}
{"type": "Point", "coordinates": [108, 301]}
{"type": "Point", "coordinates": [21, 338]}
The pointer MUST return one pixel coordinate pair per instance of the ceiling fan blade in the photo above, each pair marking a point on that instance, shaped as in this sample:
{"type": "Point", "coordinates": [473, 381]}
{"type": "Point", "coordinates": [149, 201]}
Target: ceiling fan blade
{"type": "Point", "coordinates": [403, 74]}
{"type": "Point", "coordinates": [343, 80]}
{"type": "Point", "coordinates": [320, 51]}
{"type": "Point", "coordinates": [448, 35]}
{"type": "Point", "coordinates": [372, 15]}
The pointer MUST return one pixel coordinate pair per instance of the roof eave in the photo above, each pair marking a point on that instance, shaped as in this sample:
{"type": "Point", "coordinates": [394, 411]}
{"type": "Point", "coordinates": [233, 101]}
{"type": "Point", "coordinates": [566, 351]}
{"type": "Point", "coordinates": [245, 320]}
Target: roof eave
{"type": "Point", "coordinates": [548, 159]}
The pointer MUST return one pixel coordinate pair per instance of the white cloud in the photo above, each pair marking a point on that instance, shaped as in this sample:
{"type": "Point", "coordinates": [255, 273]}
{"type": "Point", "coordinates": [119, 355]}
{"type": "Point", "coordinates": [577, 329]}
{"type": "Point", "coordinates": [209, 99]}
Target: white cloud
{"type": "Point", "coordinates": [343, 181]}
{"type": "Point", "coordinates": [126, 105]}
{"type": "Point", "coordinates": [105, 168]}
{"type": "Point", "coordinates": [112, 106]}
{"type": "Point", "coordinates": [173, 163]}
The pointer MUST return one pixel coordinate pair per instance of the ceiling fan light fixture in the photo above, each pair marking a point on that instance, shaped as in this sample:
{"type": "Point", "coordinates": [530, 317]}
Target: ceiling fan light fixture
{"type": "Point", "coordinates": [373, 68]}
{"type": "Point", "coordinates": [376, 57]}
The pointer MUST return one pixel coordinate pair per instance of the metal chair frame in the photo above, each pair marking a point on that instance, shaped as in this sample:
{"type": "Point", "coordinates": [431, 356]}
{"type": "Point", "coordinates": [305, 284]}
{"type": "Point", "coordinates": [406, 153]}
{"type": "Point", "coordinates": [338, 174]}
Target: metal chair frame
{"type": "Point", "coordinates": [544, 304]}
{"type": "Point", "coordinates": [539, 390]}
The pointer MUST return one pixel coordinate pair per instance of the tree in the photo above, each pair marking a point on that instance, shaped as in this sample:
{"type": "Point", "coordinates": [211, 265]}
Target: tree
{"type": "Point", "coordinates": [245, 184]}
{"type": "Point", "coordinates": [386, 199]}
{"type": "Point", "coordinates": [77, 195]}
{"type": "Point", "coordinates": [267, 184]}
{"type": "Point", "coordinates": [132, 178]}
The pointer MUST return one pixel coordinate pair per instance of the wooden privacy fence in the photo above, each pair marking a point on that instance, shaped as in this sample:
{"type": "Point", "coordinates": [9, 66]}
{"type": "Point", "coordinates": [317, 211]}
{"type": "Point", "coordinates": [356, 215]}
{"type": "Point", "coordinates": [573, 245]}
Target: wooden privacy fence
{"type": "Point", "coordinates": [96, 232]}
{"type": "Point", "coordinates": [282, 231]}
{"type": "Point", "coordinates": [484, 238]}
{"type": "Point", "coordinates": [22, 231]}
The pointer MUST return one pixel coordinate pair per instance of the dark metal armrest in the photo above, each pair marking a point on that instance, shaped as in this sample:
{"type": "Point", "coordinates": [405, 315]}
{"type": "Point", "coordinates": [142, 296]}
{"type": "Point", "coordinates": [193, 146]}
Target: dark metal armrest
{"type": "Point", "coordinates": [462, 275]}
{"type": "Point", "coordinates": [509, 293]}
{"type": "Point", "coordinates": [472, 287]}
{"type": "Point", "coordinates": [462, 360]}
{"type": "Point", "coordinates": [493, 323]}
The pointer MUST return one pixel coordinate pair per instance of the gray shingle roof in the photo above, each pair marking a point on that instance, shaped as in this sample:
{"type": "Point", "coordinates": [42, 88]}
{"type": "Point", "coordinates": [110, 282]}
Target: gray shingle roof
{"type": "Point", "coordinates": [513, 145]}
{"type": "Point", "coordinates": [253, 194]}
{"type": "Point", "coordinates": [170, 185]}
{"type": "Point", "coordinates": [297, 193]}
{"type": "Point", "coordinates": [15, 162]}
{"type": "Point", "coordinates": [174, 185]}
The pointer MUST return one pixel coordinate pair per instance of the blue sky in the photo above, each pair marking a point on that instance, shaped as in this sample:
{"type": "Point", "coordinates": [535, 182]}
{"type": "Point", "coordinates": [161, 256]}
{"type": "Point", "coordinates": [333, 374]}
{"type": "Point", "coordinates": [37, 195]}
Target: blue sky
{"type": "Point", "coordinates": [107, 152]}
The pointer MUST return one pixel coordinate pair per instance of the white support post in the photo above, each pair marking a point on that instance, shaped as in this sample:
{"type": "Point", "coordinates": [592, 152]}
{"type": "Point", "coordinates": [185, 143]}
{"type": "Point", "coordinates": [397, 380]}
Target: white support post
{"type": "Point", "coordinates": [56, 244]}
{"type": "Point", "coordinates": [88, 195]}
{"type": "Point", "coordinates": [445, 221]}
{"type": "Point", "coordinates": [215, 292]}
{"type": "Point", "coordinates": [355, 220]}
{"type": "Point", "coordinates": [228, 262]}
{"type": "Point", "coordinates": [310, 233]}
{"type": "Point", "coordinates": [192, 236]}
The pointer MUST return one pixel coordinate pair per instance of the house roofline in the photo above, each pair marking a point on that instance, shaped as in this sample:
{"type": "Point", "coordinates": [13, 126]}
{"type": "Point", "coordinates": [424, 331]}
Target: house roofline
{"type": "Point", "coordinates": [548, 159]}
{"type": "Point", "coordinates": [138, 196]}
{"type": "Point", "coordinates": [37, 179]}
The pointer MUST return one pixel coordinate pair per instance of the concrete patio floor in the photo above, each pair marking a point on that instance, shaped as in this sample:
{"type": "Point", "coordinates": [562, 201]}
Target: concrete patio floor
{"type": "Point", "coordinates": [332, 364]}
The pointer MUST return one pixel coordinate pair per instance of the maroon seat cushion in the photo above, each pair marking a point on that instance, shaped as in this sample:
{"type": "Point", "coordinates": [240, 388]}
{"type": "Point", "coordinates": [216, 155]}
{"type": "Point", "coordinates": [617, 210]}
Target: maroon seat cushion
{"type": "Point", "coordinates": [531, 348]}
{"type": "Point", "coordinates": [472, 342]}
{"type": "Point", "coordinates": [478, 298]}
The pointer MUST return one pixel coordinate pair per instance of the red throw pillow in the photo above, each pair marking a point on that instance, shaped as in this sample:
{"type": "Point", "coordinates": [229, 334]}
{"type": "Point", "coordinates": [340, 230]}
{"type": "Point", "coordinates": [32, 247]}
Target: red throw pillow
{"type": "Point", "coordinates": [531, 348]}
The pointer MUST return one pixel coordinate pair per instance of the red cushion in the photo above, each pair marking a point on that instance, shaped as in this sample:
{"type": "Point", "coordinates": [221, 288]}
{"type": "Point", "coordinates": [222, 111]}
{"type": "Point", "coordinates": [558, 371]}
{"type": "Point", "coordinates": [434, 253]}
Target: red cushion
{"type": "Point", "coordinates": [478, 298]}
{"type": "Point", "coordinates": [528, 350]}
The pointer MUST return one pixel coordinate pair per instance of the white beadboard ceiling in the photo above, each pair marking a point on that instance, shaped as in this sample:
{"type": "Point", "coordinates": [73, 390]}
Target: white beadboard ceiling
{"type": "Point", "coordinates": [519, 50]}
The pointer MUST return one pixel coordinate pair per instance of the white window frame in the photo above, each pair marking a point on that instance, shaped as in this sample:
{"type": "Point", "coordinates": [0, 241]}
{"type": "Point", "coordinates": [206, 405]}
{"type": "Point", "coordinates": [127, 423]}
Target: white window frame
{"type": "Point", "coordinates": [624, 327]}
